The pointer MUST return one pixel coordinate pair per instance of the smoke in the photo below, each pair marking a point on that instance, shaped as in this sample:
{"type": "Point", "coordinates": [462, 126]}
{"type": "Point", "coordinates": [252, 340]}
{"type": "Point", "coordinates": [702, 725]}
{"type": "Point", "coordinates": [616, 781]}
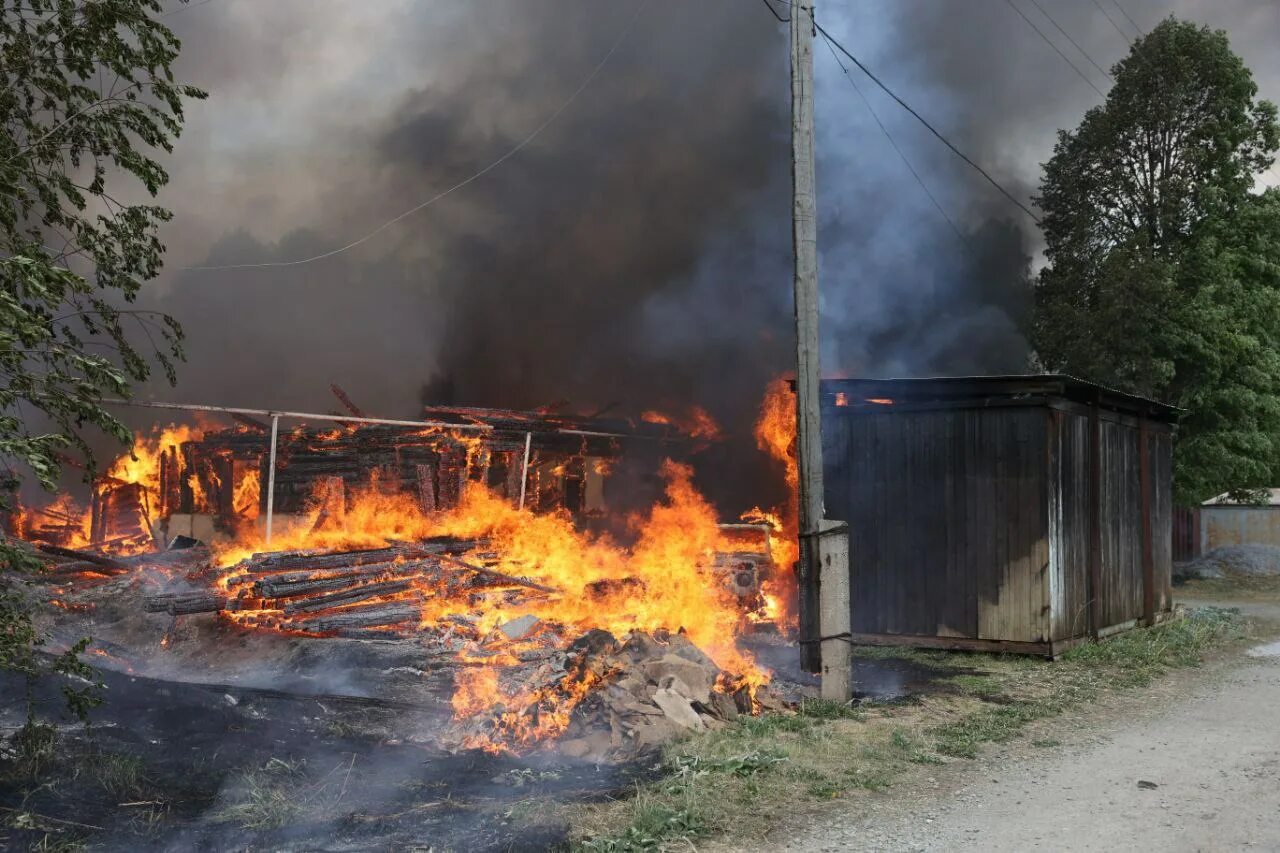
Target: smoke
{"type": "Point", "coordinates": [637, 251]}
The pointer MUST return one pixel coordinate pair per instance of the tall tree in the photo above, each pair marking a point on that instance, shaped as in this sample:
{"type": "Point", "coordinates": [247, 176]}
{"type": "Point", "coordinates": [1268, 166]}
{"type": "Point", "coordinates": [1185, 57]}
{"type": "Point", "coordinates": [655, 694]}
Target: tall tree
{"type": "Point", "coordinates": [1159, 256]}
{"type": "Point", "coordinates": [87, 101]}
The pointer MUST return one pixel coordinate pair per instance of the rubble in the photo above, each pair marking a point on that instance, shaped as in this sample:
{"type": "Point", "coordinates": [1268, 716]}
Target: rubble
{"type": "Point", "coordinates": [623, 698]}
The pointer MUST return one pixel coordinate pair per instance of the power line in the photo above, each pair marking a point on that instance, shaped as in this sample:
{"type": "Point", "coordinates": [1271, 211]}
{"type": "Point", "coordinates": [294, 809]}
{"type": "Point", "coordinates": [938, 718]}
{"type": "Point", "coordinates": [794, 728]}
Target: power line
{"type": "Point", "coordinates": [775, 12]}
{"type": "Point", "coordinates": [1112, 20]}
{"type": "Point", "coordinates": [1068, 37]}
{"type": "Point", "coordinates": [922, 120]}
{"type": "Point", "coordinates": [1127, 18]}
{"type": "Point", "coordinates": [495, 164]}
{"type": "Point", "coordinates": [893, 142]}
{"type": "Point", "coordinates": [1049, 42]}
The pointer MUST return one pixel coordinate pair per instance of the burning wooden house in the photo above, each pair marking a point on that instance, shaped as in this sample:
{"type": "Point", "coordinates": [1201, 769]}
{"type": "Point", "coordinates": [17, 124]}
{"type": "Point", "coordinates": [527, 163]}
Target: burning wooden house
{"type": "Point", "coordinates": [204, 483]}
{"type": "Point", "coordinates": [1018, 513]}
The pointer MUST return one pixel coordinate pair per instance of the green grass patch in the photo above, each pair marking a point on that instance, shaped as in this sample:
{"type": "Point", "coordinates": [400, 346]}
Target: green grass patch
{"type": "Point", "coordinates": [826, 709]}
{"type": "Point", "coordinates": [962, 739]}
{"type": "Point", "coordinates": [1138, 656]}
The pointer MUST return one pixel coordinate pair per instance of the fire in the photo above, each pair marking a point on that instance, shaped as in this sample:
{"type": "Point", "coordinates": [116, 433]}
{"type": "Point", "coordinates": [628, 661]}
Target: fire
{"type": "Point", "coordinates": [695, 423]}
{"type": "Point", "coordinates": [526, 715]}
{"type": "Point", "coordinates": [880, 401]}
{"type": "Point", "coordinates": [776, 435]}
{"type": "Point", "coordinates": [842, 399]}
{"type": "Point", "coordinates": [142, 463]}
{"type": "Point", "coordinates": [660, 577]}
{"type": "Point", "coordinates": [776, 428]}
{"type": "Point", "coordinates": [662, 581]}
{"type": "Point", "coordinates": [247, 495]}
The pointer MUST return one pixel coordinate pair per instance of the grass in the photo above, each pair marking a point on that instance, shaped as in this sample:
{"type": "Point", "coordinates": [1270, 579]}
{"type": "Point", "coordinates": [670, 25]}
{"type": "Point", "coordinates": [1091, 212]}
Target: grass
{"type": "Point", "coordinates": [1236, 587]}
{"type": "Point", "coordinates": [747, 778]}
{"type": "Point", "coordinates": [121, 776]}
{"type": "Point", "coordinates": [269, 796]}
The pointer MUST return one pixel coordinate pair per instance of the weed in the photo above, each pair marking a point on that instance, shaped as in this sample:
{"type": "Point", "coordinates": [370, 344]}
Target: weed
{"type": "Point", "coordinates": [119, 775]}
{"type": "Point", "coordinates": [1046, 743]}
{"type": "Point", "coordinates": [747, 764]}
{"type": "Point", "coordinates": [982, 686]}
{"type": "Point", "coordinates": [653, 825]}
{"type": "Point", "coordinates": [873, 777]}
{"type": "Point", "coordinates": [962, 739]}
{"type": "Point", "coordinates": [911, 747]}
{"type": "Point", "coordinates": [1142, 655]}
{"type": "Point", "coordinates": [34, 748]}
{"type": "Point", "coordinates": [827, 709]}
{"type": "Point", "coordinates": [268, 797]}
{"type": "Point", "coordinates": [824, 790]}
{"type": "Point", "coordinates": [770, 724]}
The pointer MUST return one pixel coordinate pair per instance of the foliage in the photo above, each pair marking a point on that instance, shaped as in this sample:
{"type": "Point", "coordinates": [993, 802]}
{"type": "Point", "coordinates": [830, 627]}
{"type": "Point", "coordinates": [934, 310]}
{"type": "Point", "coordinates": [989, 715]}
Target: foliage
{"type": "Point", "coordinates": [87, 96]}
{"type": "Point", "coordinates": [1163, 274]}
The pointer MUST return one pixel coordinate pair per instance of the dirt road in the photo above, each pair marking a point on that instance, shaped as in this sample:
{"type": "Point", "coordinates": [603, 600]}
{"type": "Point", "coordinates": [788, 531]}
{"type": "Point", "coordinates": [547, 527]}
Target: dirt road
{"type": "Point", "coordinates": [1200, 772]}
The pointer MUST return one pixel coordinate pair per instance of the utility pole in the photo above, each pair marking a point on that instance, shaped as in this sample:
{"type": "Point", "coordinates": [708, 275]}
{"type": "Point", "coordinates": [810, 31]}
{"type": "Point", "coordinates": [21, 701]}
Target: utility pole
{"type": "Point", "coordinates": [824, 544]}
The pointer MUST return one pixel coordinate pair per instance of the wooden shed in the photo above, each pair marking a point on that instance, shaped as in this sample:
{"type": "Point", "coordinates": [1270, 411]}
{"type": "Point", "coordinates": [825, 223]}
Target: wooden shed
{"type": "Point", "coordinates": [1010, 513]}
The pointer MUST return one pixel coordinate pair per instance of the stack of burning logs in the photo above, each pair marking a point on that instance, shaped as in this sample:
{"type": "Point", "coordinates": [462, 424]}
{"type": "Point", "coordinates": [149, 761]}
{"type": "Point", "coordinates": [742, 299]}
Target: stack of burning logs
{"type": "Point", "coordinates": [366, 594]}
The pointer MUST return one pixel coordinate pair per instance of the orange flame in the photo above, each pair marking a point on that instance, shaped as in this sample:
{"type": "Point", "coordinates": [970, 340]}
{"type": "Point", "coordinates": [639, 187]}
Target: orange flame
{"type": "Point", "coordinates": [695, 423]}
{"type": "Point", "coordinates": [776, 435]}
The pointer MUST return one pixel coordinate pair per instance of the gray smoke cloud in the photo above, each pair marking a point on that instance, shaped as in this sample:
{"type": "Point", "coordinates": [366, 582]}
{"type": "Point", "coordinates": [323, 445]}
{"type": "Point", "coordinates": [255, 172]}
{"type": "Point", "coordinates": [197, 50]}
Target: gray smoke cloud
{"type": "Point", "coordinates": [637, 250]}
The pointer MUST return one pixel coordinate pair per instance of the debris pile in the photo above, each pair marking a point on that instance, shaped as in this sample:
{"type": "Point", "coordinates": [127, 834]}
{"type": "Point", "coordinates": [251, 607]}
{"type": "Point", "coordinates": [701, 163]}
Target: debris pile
{"type": "Point", "coordinates": [603, 698]}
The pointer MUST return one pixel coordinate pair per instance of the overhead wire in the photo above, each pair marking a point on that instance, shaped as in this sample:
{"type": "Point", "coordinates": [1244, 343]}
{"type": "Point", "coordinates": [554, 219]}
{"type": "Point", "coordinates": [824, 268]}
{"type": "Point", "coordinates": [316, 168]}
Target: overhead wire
{"type": "Point", "coordinates": [1112, 21]}
{"type": "Point", "coordinates": [901, 154]}
{"type": "Point", "coordinates": [781, 19]}
{"type": "Point", "coordinates": [1068, 37]}
{"type": "Point", "coordinates": [947, 142]}
{"type": "Point", "coordinates": [523, 143]}
{"type": "Point", "coordinates": [1128, 18]}
{"type": "Point", "coordinates": [1049, 42]}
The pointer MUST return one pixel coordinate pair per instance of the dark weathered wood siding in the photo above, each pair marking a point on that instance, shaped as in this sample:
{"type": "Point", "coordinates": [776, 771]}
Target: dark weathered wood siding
{"type": "Point", "coordinates": [972, 514]}
{"type": "Point", "coordinates": [950, 512]}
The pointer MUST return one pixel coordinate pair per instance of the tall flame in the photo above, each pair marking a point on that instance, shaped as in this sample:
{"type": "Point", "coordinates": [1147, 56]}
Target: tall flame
{"type": "Point", "coordinates": [776, 435]}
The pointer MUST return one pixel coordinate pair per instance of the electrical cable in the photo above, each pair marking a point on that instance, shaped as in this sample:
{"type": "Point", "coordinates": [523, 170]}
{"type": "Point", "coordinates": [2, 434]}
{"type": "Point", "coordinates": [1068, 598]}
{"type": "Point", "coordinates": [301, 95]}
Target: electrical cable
{"type": "Point", "coordinates": [1068, 37]}
{"type": "Point", "coordinates": [893, 142]}
{"type": "Point", "coordinates": [1112, 21]}
{"type": "Point", "coordinates": [460, 184]}
{"type": "Point", "coordinates": [1128, 18]}
{"type": "Point", "coordinates": [1049, 42]}
{"type": "Point", "coordinates": [775, 13]}
{"type": "Point", "coordinates": [865, 70]}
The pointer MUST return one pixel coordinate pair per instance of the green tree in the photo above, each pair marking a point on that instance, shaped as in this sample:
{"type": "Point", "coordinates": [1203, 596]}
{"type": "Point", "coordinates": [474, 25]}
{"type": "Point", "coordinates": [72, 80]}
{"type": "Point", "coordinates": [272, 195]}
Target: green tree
{"type": "Point", "coordinates": [87, 100]}
{"type": "Point", "coordinates": [1160, 275]}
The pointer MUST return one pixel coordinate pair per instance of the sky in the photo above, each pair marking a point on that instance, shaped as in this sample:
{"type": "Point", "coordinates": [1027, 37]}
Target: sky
{"type": "Point", "coordinates": [637, 249]}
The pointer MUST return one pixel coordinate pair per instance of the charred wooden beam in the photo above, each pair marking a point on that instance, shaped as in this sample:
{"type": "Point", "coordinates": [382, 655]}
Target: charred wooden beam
{"type": "Point", "coordinates": [498, 577]}
{"type": "Point", "coordinates": [84, 556]}
{"type": "Point", "coordinates": [346, 401]}
{"type": "Point", "coordinates": [345, 597]}
{"type": "Point", "coordinates": [360, 617]}
{"type": "Point", "coordinates": [180, 603]}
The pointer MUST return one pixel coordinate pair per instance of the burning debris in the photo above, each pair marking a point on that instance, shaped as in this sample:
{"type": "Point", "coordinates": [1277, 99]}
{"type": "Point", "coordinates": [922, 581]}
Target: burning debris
{"type": "Point", "coordinates": [425, 537]}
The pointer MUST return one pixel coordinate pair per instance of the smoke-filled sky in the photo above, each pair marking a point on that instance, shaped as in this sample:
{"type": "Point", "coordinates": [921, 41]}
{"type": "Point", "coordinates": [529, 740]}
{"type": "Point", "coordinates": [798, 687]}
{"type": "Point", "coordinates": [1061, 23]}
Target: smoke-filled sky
{"type": "Point", "coordinates": [637, 250]}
